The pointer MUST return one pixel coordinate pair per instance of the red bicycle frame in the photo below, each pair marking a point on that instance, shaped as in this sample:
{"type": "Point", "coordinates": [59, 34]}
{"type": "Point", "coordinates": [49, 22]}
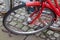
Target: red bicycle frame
{"type": "Point", "coordinates": [44, 3]}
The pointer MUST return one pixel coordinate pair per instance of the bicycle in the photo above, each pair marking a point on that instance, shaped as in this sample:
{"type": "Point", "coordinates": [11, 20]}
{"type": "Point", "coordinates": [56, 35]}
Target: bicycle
{"type": "Point", "coordinates": [44, 15]}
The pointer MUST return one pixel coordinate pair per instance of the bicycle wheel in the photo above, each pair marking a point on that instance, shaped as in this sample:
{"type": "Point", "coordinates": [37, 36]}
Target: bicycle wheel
{"type": "Point", "coordinates": [16, 20]}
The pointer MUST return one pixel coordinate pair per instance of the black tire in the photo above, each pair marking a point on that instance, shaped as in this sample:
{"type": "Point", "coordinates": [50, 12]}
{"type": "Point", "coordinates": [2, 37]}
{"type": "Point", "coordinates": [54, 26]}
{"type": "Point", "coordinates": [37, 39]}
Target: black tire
{"type": "Point", "coordinates": [14, 31]}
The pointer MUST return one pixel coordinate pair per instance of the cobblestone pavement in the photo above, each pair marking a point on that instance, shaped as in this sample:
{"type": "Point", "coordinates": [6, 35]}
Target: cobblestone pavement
{"type": "Point", "coordinates": [46, 35]}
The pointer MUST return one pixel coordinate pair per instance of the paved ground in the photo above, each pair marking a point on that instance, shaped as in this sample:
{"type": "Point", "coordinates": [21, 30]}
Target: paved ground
{"type": "Point", "coordinates": [49, 35]}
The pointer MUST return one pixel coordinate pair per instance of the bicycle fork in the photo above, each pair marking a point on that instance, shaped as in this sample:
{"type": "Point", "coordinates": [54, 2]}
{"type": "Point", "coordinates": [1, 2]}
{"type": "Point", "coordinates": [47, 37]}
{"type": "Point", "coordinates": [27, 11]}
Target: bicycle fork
{"type": "Point", "coordinates": [38, 15]}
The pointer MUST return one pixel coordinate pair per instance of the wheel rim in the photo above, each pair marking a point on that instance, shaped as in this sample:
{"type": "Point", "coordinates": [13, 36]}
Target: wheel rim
{"type": "Point", "coordinates": [16, 18]}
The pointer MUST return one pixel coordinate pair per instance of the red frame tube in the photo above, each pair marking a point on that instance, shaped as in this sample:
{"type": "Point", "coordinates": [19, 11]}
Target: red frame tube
{"type": "Point", "coordinates": [36, 3]}
{"type": "Point", "coordinates": [55, 1]}
{"type": "Point", "coordinates": [56, 10]}
{"type": "Point", "coordinates": [49, 5]}
{"type": "Point", "coordinates": [39, 13]}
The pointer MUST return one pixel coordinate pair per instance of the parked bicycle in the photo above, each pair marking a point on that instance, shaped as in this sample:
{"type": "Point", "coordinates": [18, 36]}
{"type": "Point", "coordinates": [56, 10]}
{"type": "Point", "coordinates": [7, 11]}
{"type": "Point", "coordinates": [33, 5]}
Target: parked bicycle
{"type": "Point", "coordinates": [19, 21]}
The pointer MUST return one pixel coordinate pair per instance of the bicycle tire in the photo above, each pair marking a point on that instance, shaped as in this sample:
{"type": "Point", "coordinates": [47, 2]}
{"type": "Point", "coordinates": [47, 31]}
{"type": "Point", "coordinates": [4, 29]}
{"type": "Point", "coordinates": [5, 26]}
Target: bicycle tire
{"type": "Point", "coordinates": [32, 32]}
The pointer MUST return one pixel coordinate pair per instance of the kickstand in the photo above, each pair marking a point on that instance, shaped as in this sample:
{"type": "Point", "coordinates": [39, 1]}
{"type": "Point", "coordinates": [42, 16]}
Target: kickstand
{"type": "Point", "coordinates": [6, 31]}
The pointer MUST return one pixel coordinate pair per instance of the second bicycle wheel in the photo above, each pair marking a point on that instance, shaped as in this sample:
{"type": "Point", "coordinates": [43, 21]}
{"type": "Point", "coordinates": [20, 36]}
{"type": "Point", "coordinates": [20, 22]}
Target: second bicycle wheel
{"type": "Point", "coordinates": [16, 20]}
